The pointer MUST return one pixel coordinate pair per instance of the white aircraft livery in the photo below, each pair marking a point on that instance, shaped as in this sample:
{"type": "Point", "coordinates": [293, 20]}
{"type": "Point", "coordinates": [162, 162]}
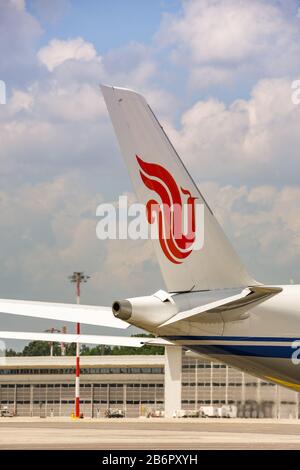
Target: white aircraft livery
{"type": "Point", "coordinates": [210, 305]}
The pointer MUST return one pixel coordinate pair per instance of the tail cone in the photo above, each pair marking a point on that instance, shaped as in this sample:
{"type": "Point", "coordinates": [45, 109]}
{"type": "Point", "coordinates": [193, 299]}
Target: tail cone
{"type": "Point", "coordinates": [122, 309]}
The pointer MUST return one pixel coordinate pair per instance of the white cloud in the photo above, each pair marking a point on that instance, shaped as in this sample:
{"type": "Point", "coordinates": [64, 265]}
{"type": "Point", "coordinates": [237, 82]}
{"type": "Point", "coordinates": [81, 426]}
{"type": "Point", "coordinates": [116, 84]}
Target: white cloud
{"type": "Point", "coordinates": [207, 76]}
{"type": "Point", "coordinates": [19, 101]}
{"type": "Point", "coordinates": [59, 51]}
{"type": "Point", "coordinates": [48, 229]}
{"type": "Point", "coordinates": [60, 121]}
{"type": "Point", "coordinates": [132, 64]}
{"type": "Point", "coordinates": [78, 102]}
{"type": "Point", "coordinates": [256, 139]}
{"type": "Point", "coordinates": [19, 4]}
{"type": "Point", "coordinates": [264, 225]}
{"type": "Point", "coordinates": [232, 37]}
{"type": "Point", "coordinates": [19, 31]}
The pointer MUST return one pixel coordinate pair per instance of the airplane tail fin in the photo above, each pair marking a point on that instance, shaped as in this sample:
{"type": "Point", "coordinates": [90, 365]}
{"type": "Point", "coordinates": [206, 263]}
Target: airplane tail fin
{"type": "Point", "coordinates": [163, 183]}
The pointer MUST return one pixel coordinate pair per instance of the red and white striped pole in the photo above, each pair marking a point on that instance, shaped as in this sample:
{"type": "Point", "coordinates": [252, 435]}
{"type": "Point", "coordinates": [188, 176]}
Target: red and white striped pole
{"type": "Point", "coordinates": [77, 379]}
{"type": "Point", "coordinates": [78, 278]}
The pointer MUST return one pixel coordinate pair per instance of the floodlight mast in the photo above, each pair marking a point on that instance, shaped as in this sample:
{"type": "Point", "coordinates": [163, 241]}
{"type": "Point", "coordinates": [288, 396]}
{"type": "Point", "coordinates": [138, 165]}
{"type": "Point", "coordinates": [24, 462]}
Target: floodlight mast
{"type": "Point", "coordinates": [77, 278]}
{"type": "Point", "coordinates": [52, 330]}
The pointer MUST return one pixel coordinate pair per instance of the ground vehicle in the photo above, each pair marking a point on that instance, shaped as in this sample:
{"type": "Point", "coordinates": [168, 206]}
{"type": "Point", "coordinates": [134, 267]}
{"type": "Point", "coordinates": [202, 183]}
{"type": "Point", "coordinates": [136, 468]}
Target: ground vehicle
{"type": "Point", "coordinates": [229, 411]}
{"type": "Point", "coordinates": [210, 411]}
{"type": "Point", "coordinates": [114, 413]}
{"type": "Point", "coordinates": [5, 413]}
{"type": "Point", "coordinates": [186, 414]}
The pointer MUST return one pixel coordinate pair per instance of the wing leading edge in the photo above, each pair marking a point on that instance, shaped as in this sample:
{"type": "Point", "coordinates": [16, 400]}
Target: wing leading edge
{"type": "Point", "coordinates": [87, 314]}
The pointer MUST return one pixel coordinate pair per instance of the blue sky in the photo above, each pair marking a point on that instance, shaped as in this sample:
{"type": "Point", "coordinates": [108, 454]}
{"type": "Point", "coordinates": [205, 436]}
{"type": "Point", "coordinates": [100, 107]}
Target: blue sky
{"type": "Point", "coordinates": [218, 74]}
{"type": "Point", "coordinates": [108, 25]}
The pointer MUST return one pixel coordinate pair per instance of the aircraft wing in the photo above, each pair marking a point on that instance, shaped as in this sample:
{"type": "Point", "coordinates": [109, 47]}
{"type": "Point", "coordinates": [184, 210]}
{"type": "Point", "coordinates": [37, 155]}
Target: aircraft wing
{"type": "Point", "coordinates": [87, 314]}
{"type": "Point", "coordinates": [136, 342]}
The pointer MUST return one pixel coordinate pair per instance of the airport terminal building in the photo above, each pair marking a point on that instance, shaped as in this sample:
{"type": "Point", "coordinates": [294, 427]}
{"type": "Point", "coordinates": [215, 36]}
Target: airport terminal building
{"type": "Point", "coordinates": [45, 386]}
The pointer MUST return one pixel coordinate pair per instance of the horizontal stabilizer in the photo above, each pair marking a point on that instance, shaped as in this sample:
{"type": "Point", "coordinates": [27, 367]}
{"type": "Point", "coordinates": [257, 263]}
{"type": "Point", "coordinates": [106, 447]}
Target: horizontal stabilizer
{"type": "Point", "coordinates": [227, 304]}
{"type": "Point", "coordinates": [66, 338]}
{"type": "Point", "coordinates": [87, 314]}
{"type": "Point", "coordinates": [136, 342]}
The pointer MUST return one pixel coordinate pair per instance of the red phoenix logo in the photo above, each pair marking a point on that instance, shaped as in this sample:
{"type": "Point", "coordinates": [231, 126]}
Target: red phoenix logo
{"type": "Point", "coordinates": [175, 244]}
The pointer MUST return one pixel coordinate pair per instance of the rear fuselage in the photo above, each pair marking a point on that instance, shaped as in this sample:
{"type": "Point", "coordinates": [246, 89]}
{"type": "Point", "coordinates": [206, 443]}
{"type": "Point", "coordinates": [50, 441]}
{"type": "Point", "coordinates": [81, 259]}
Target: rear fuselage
{"type": "Point", "coordinates": [260, 337]}
{"type": "Point", "coordinates": [265, 344]}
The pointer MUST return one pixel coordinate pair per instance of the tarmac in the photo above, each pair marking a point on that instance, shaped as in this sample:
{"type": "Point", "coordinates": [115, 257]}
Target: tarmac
{"type": "Point", "coordinates": [148, 434]}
